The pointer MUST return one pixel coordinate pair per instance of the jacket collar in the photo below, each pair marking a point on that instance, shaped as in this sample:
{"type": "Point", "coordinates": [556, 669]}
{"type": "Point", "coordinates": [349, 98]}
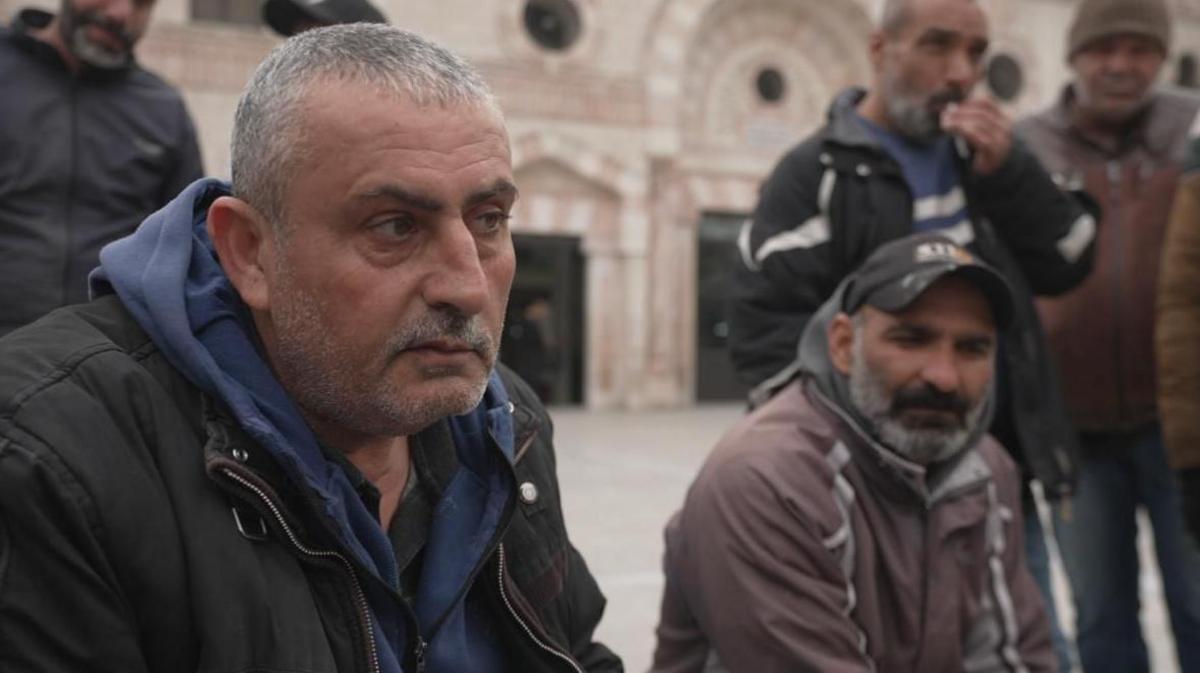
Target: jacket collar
{"type": "Point", "coordinates": [1146, 131]}
{"type": "Point", "coordinates": [525, 427]}
{"type": "Point", "coordinates": [843, 127]}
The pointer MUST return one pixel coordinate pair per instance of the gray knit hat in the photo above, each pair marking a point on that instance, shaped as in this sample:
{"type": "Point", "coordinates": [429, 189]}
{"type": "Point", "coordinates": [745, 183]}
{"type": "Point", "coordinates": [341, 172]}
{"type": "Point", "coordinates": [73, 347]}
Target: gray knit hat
{"type": "Point", "coordinates": [1095, 19]}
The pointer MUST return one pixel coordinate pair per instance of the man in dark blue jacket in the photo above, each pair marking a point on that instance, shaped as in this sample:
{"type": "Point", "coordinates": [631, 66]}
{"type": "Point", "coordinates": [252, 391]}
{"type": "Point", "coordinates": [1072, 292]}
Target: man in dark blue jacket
{"type": "Point", "coordinates": [90, 144]}
{"type": "Point", "coordinates": [279, 440]}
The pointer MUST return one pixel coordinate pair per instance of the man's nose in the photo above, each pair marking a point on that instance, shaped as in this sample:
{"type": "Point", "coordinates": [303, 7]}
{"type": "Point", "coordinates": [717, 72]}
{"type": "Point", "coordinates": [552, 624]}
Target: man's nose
{"type": "Point", "coordinates": [962, 70]}
{"type": "Point", "coordinates": [456, 277]}
{"type": "Point", "coordinates": [941, 371]}
{"type": "Point", "coordinates": [118, 11]}
{"type": "Point", "coordinates": [1120, 61]}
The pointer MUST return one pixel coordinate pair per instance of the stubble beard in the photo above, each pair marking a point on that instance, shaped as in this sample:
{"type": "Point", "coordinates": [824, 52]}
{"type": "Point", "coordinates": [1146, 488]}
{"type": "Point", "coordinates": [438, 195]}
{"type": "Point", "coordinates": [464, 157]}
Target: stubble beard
{"type": "Point", "coordinates": [923, 446]}
{"type": "Point", "coordinates": [916, 116]}
{"type": "Point", "coordinates": [326, 378]}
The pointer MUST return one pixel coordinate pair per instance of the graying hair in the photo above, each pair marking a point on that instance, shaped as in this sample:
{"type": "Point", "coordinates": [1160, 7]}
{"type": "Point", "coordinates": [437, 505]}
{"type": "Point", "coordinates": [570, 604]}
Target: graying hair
{"type": "Point", "coordinates": [266, 127]}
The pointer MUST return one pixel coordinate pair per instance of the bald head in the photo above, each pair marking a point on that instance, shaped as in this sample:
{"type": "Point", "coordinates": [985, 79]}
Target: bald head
{"type": "Point", "coordinates": [897, 14]}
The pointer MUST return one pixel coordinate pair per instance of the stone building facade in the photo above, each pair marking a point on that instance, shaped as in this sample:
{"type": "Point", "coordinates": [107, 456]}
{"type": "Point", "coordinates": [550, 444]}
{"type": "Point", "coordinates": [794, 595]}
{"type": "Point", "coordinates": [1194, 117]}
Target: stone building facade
{"type": "Point", "coordinates": [654, 126]}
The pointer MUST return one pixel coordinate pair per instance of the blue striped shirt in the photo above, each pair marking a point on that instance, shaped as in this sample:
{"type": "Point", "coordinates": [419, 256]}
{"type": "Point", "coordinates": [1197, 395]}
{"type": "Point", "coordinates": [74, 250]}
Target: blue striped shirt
{"type": "Point", "coordinates": [932, 176]}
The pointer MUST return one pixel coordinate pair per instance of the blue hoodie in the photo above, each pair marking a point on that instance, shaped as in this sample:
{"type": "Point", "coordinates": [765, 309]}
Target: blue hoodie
{"type": "Point", "coordinates": [167, 275]}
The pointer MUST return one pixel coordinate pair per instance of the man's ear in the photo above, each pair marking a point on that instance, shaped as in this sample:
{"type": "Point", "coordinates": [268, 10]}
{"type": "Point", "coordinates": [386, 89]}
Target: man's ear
{"type": "Point", "coordinates": [245, 246]}
{"type": "Point", "coordinates": [841, 343]}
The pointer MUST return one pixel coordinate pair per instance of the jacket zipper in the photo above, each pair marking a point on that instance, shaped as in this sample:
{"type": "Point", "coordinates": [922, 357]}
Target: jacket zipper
{"type": "Point", "coordinates": [364, 610]}
{"type": "Point", "coordinates": [524, 625]}
{"type": "Point", "coordinates": [493, 543]}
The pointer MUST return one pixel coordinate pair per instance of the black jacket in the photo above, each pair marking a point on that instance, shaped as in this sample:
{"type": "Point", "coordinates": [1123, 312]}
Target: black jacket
{"type": "Point", "coordinates": [837, 196]}
{"type": "Point", "coordinates": [83, 160]}
{"type": "Point", "coordinates": [142, 530]}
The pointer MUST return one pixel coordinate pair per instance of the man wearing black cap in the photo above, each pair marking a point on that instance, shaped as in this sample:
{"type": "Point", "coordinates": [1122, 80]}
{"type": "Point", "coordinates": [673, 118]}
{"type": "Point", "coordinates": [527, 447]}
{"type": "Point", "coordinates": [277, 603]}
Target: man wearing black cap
{"type": "Point", "coordinates": [1114, 135]}
{"type": "Point", "coordinates": [289, 17]}
{"type": "Point", "coordinates": [862, 520]}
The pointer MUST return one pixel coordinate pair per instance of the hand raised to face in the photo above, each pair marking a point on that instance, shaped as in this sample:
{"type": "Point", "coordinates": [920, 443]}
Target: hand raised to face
{"type": "Point", "coordinates": [985, 127]}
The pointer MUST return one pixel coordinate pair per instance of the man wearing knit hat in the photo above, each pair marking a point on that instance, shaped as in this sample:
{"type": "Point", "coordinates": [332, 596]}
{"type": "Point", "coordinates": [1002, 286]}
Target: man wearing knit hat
{"type": "Point", "coordinates": [1113, 135]}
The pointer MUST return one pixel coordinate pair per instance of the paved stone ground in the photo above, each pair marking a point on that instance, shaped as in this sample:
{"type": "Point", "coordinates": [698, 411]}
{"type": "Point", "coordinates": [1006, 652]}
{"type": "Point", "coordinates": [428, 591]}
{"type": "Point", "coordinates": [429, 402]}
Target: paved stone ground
{"type": "Point", "coordinates": [623, 475]}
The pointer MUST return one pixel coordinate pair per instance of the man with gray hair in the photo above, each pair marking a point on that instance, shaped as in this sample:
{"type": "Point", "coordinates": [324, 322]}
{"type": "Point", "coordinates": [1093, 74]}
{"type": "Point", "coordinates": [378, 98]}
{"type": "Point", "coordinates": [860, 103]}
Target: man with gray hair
{"type": "Point", "coordinates": [278, 438]}
{"type": "Point", "coordinates": [862, 520]}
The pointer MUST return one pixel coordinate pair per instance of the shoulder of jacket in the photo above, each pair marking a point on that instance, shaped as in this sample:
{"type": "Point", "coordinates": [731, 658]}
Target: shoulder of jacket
{"type": "Point", "coordinates": [1177, 101]}
{"type": "Point", "coordinates": [767, 479]}
{"type": "Point", "coordinates": [97, 340]}
{"type": "Point", "coordinates": [804, 156]}
{"type": "Point", "coordinates": [1176, 115]}
{"type": "Point", "coordinates": [785, 436]}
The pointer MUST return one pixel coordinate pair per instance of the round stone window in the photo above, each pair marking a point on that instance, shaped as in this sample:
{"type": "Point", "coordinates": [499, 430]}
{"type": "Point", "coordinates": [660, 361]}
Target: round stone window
{"type": "Point", "coordinates": [1005, 77]}
{"type": "Point", "coordinates": [770, 85]}
{"type": "Point", "coordinates": [553, 24]}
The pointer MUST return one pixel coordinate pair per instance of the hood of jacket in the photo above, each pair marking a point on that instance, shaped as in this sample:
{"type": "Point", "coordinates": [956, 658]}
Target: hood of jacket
{"type": "Point", "coordinates": [167, 275]}
{"type": "Point", "coordinates": [832, 389]}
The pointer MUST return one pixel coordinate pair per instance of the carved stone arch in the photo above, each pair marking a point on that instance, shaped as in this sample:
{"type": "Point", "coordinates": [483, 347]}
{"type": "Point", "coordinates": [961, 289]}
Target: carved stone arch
{"type": "Point", "coordinates": [551, 165]}
{"type": "Point", "coordinates": [674, 46]}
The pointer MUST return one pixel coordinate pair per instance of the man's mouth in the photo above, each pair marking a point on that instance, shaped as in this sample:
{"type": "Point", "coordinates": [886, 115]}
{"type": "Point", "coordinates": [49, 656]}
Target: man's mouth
{"type": "Point", "coordinates": [444, 353]}
{"type": "Point", "coordinates": [1123, 94]}
{"type": "Point", "coordinates": [106, 39]}
{"type": "Point", "coordinates": [444, 346]}
{"type": "Point", "coordinates": [939, 100]}
{"type": "Point", "coordinates": [929, 418]}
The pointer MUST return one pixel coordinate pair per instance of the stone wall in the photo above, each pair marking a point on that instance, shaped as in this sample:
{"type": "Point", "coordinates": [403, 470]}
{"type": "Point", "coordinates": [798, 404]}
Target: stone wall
{"type": "Point", "coordinates": [650, 120]}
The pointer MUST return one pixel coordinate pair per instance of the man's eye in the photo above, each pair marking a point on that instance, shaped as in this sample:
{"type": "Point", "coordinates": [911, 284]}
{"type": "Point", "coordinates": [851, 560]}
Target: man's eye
{"type": "Point", "coordinates": [908, 340]}
{"type": "Point", "coordinates": [937, 43]}
{"type": "Point", "coordinates": [395, 227]}
{"type": "Point", "coordinates": [491, 221]}
{"type": "Point", "coordinates": [976, 348]}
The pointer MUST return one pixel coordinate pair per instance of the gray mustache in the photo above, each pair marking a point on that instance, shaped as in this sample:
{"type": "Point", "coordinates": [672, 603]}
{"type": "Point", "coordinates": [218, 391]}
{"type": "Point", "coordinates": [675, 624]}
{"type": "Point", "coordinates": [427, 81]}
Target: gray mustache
{"type": "Point", "coordinates": [445, 326]}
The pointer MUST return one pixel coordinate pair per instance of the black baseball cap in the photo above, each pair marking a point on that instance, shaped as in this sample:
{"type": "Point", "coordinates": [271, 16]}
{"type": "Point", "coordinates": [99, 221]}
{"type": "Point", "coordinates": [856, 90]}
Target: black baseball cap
{"type": "Point", "coordinates": [900, 271]}
{"type": "Point", "coordinates": [286, 16]}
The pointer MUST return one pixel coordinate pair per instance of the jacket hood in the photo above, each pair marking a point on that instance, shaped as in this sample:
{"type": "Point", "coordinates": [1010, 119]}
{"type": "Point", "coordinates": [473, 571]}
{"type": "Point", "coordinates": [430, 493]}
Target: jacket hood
{"type": "Point", "coordinates": [167, 275]}
{"type": "Point", "coordinates": [844, 128]}
{"type": "Point", "coordinates": [832, 388]}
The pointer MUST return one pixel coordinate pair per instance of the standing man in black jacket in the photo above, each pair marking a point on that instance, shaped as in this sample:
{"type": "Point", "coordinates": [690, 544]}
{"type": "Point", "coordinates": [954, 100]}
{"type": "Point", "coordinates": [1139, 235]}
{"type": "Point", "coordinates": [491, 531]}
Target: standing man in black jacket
{"type": "Point", "coordinates": [918, 153]}
{"type": "Point", "coordinates": [90, 144]}
{"type": "Point", "coordinates": [279, 440]}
